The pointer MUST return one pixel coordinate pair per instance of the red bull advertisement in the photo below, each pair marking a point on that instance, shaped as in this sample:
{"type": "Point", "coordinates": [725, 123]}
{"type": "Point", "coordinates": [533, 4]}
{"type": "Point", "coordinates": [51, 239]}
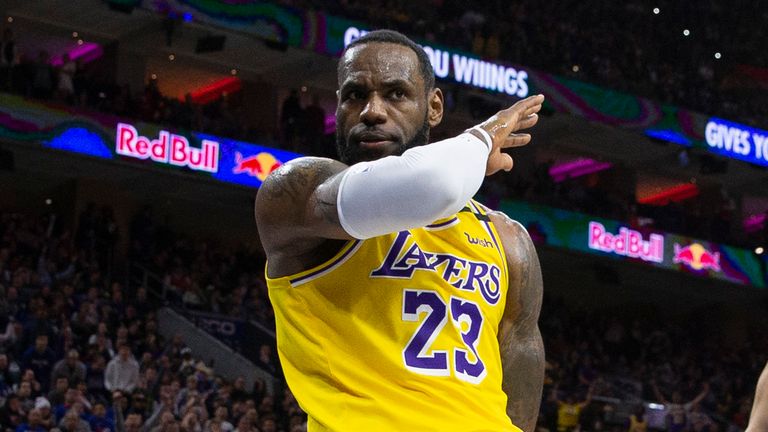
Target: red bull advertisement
{"type": "Point", "coordinates": [168, 148]}
{"type": "Point", "coordinates": [696, 257]}
{"type": "Point", "coordinates": [247, 164]}
{"type": "Point", "coordinates": [225, 159]}
{"type": "Point", "coordinates": [627, 242]}
{"type": "Point", "coordinates": [105, 136]}
{"type": "Point", "coordinates": [615, 240]}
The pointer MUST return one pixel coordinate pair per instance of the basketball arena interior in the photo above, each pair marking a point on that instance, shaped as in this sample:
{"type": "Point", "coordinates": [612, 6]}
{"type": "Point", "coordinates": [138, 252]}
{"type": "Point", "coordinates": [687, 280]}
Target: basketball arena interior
{"type": "Point", "coordinates": [134, 135]}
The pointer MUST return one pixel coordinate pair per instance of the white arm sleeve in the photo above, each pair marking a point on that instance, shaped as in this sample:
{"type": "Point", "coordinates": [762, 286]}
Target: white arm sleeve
{"type": "Point", "coordinates": [422, 185]}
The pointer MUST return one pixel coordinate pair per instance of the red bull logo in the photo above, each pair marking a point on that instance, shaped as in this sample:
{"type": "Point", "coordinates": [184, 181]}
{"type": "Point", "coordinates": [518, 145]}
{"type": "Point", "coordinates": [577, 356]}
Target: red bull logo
{"type": "Point", "coordinates": [168, 148]}
{"type": "Point", "coordinates": [627, 242]}
{"type": "Point", "coordinates": [259, 166]}
{"type": "Point", "coordinates": [697, 257]}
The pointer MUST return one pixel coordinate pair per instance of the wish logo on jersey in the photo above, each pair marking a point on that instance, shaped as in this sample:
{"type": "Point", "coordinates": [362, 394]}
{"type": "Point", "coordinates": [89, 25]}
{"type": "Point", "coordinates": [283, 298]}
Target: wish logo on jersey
{"type": "Point", "coordinates": [405, 257]}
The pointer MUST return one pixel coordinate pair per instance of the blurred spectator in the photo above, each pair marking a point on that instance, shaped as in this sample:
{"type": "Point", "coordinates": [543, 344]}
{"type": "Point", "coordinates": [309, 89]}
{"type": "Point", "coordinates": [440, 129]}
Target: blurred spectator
{"type": "Point", "coordinates": [291, 115]}
{"type": "Point", "coordinates": [43, 76]}
{"type": "Point", "coordinates": [70, 367]}
{"type": "Point", "coordinates": [569, 410]}
{"type": "Point", "coordinates": [637, 421]}
{"type": "Point", "coordinates": [677, 410]}
{"type": "Point", "coordinates": [33, 423]}
{"type": "Point", "coordinates": [66, 89]}
{"type": "Point", "coordinates": [122, 371]}
{"type": "Point", "coordinates": [11, 414]}
{"type": "Point", "coordinates": [40, 359]}
{"type": "Point", "coordinates": [9, 59]}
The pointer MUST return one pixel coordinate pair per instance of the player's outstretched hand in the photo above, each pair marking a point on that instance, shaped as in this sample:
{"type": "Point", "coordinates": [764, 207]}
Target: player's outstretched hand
{"type": "Point", "coordinates": [502, 128]}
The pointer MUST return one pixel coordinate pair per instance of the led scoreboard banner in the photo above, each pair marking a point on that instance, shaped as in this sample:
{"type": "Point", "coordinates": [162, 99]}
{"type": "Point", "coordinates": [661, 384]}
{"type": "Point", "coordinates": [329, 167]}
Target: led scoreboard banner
{"type": "Point", "coordinates": [109, 137]}
{"type": "Point", "coordinates": [737, 141]}
{"type": "Point", "coordinates": [612, 239]}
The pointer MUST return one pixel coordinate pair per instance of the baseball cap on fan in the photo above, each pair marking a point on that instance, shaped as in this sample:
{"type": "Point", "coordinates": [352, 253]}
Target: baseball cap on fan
{"type": "Point", "coordinates": [41, 403]}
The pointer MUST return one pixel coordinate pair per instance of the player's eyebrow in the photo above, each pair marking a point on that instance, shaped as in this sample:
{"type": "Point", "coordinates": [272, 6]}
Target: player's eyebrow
{"type": "Point", "coordinates": [396, 82]}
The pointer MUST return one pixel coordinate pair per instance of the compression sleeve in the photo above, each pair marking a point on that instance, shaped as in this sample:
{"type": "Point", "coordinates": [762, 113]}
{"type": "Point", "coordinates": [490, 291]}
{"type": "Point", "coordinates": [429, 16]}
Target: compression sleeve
{"type": "Point", "coordinates": [422, 185]}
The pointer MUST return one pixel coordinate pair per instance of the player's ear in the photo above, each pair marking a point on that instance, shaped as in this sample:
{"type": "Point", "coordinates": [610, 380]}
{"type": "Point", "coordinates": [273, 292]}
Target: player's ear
{"type": "Point", "coordinates": [435, 102]}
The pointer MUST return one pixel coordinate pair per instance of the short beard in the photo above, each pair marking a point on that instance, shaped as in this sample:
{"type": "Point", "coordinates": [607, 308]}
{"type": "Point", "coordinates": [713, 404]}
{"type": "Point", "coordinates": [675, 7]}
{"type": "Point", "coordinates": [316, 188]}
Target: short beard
{"type": "Point", "coordinates": [352, 155]}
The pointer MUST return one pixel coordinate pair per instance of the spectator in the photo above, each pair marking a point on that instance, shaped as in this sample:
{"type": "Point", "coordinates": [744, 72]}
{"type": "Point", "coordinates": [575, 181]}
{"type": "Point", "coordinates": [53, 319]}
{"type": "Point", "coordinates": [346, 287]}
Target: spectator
{"type": "Point", "coordinates": [71, 367]}
{"type": "Point", "coordinates": [46, 416]}
{"type": "Point", "coordinates": [43, 76]}
{"type": "Point", "coordinates": [33, 423]}
{"type": "Point", "coordinates": [677, 410]}
{"type": "Point", "coordinates": [9, 58]}
{"type": "Point", "coordinates": [122, 371]}
{"type": "Point", "coordinates": [11, 414]}
{"type": "Point", "coordinates": [291, 119]}
{"type": "Point", "coordinates": [40, 359]}
{"type": "Point", "coordinates": [59, 391]}
{"type": "Point", "coordinates": [9, 375]}
{"type": "Point", "coordinates": [569, 411]}
{"type": "Point", "coordinates": [99, 420]}
{"type": "Point", "coordinates": [71, 422]}
{"type": "Point", "coordinates": [67, 71]}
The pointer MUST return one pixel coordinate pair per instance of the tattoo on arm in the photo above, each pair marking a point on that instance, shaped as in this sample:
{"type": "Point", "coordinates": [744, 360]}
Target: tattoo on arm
{"type": "Point", "coordinates": [291, 182]}
{"type": "Point", "coordinates": [298, 201]}
{"type": "Point", "coordinates": [521, 346]}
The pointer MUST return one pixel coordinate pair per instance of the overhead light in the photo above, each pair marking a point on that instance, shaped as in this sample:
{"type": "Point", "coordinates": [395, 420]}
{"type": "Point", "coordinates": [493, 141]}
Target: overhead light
{"type": "Point", "coordinates": [718, 55]}
{"type": "Point", "coordinates": [686, 32]}
{"type": "Point", "coordinates": [759, 250]}
{"type": "Point", "coordinates": [48, 201]}
{"type": "Point", "coordinates": [75, 34]}
{"type": "Point", "coordinates": [656, 11]}
{"type": "Point", "coordinates": [575, 68]}
{"type": "Point", "coordinates": [303, 89]}
{"type": "Point", "coordinates": [153, 76]}
{"type": "Point", "coordinates": [10, 19]}
{"type": "Point", "coordinates": [233, 71]}
{"type": "Point", "coordinates": [171, 57]}
{"type": "Point", "coordinates": [79, 41]}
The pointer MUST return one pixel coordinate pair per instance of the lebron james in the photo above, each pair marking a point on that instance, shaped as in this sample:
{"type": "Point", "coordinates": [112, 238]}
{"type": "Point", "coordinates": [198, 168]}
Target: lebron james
{"type": "Point", "coordinates": [402, 304]}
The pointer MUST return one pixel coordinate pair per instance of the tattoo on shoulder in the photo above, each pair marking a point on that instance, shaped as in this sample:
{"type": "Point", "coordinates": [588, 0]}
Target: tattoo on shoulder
{"type": "Point", "coordinates": [292, 180]}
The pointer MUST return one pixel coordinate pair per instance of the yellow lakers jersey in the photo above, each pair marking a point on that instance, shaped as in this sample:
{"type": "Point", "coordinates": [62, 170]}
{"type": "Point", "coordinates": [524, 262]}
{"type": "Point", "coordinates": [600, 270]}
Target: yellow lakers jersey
{"type": "Point", "coordinates": [399, 332]}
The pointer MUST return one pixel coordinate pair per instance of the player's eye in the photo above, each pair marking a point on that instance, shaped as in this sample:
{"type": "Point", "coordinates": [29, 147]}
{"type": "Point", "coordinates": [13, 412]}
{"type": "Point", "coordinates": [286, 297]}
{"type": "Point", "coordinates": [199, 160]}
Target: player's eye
{"type": "Point", "coordinates": [355, 95]}
{"type": "Point", "coordinates": [397, 94]}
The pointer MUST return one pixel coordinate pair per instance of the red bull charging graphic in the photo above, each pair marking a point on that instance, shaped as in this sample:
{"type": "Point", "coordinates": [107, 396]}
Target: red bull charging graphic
{"type": "Point", "coordinates": [259, 166]}
{"type": "Point", "coordinates": [696, 257]}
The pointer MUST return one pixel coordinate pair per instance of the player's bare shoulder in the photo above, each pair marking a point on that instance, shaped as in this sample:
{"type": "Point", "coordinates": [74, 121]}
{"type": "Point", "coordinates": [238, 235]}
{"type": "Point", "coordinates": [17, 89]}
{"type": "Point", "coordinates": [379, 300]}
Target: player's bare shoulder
{"type": "Point", "coordinates": [517, 243]}
{"type": "Point", "coordinates": [289, 196]}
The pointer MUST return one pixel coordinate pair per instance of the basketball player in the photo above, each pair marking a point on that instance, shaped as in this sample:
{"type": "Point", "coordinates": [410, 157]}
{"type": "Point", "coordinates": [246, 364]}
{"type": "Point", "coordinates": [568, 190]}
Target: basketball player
{"type": "Point", "coordinates": [401, 304]}
{"type": "Point", "coordinates": [758, 420]}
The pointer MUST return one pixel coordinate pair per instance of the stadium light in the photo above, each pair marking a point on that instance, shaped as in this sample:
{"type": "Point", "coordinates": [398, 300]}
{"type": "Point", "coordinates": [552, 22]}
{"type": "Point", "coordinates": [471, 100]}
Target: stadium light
{"type": "Point", "coordinates": [656, 11]}
{"type": "Point", "coordinates": [75, 34]}
{"type": "Point", "coordinates": [759, 250]}
{"type": "Point", "coordinates": [171, 57]}
{"type": "Point", "coordinates": [686, 32]}
{"type": "Point", "coordinates": [718, 55]}
{"type": "Point", "coordinates": [575, 68]}
{"type": "Point", "coordinates": [10, 19]}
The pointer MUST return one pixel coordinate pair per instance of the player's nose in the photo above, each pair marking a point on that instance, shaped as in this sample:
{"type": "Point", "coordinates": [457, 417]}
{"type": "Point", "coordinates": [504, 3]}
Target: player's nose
{"type": "Point", "coordinates": [374, 112]}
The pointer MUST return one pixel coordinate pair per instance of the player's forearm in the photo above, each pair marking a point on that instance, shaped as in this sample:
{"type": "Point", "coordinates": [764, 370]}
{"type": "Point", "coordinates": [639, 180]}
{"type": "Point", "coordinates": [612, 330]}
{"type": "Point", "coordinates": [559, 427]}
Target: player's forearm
{"type": "Point", "coordinates": [522, 359]}
{"type": "Point", "coordinates": [412, 190]}
{"type": "Point", "coordinates": [758, 420]}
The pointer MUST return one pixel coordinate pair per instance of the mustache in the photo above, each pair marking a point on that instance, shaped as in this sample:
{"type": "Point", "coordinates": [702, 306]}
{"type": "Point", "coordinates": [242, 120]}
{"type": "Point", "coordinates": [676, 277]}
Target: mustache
{"type": "Point", "coordinates": [371, 134]}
